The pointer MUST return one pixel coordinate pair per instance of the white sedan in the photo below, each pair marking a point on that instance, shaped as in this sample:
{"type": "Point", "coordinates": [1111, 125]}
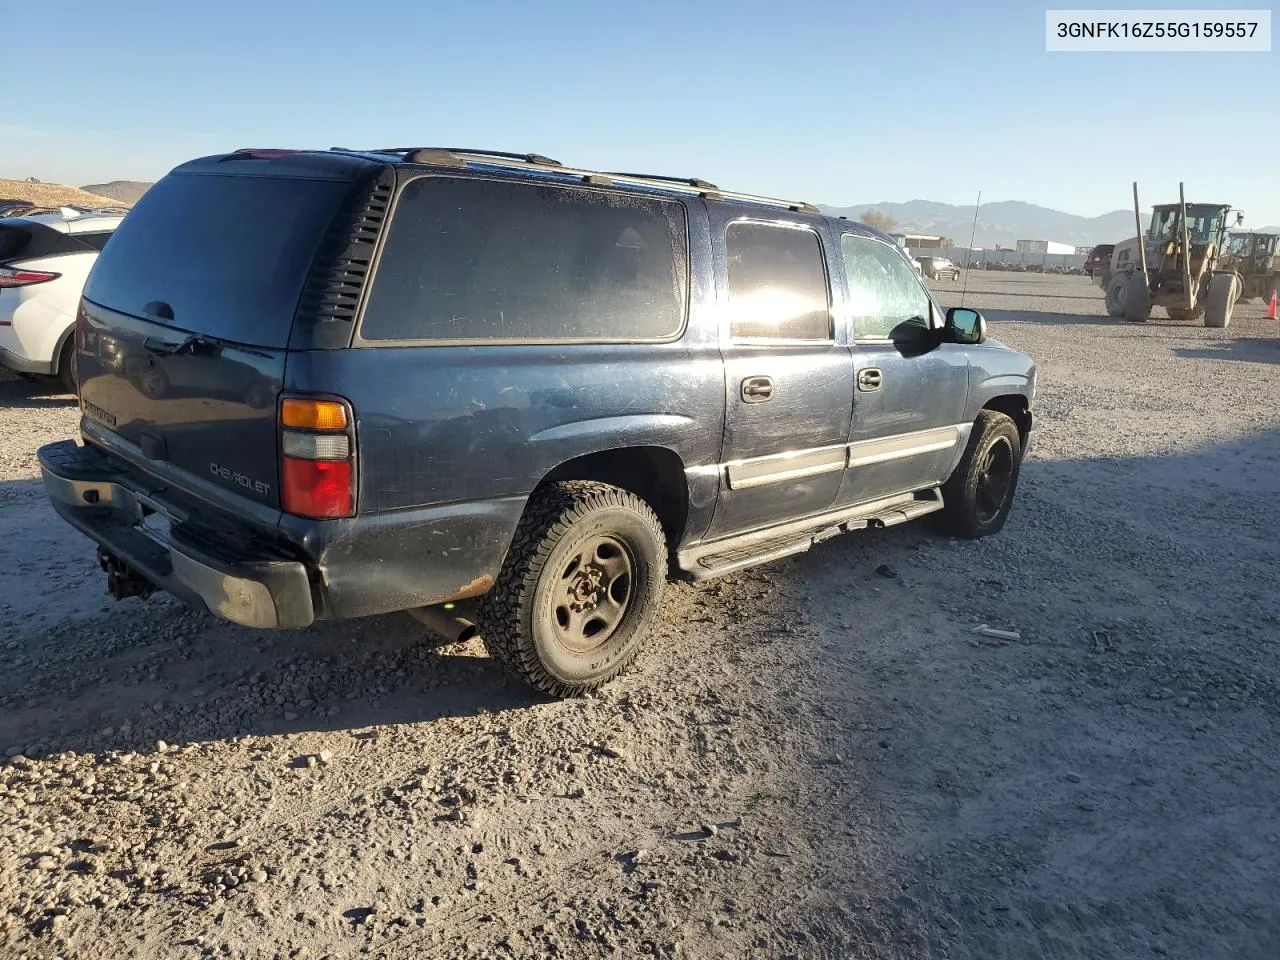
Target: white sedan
{"type": "Point", "coordinates": [45, 259]}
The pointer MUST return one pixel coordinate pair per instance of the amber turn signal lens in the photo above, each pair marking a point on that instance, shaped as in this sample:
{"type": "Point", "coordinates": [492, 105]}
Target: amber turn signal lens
{"type": "Point", "coordinates": [313, 414]}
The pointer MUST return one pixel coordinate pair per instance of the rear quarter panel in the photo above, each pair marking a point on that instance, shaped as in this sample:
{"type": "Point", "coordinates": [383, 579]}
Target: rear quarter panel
{"type": "Point", "coordinates": [44, 314]}
{"type": "Point", "coordinates": [439, 425]}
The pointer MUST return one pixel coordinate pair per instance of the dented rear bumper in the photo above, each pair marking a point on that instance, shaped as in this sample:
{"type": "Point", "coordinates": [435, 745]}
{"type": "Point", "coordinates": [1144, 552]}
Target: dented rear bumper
{"type": "Point", "coordinates": [205, 564]}
{"type": "Point", "coordinates": [288, 573]}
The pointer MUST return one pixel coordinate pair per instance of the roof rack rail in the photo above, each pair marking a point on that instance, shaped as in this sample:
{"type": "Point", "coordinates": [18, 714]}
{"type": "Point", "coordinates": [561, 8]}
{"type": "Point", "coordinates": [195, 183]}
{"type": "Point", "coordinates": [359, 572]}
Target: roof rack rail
{"type": "Point", "coordinates": [688, 181]}
{"type": "Point", "coordinates": [453, 156]}
{"type": "Point", "coordinates": [535, 158]}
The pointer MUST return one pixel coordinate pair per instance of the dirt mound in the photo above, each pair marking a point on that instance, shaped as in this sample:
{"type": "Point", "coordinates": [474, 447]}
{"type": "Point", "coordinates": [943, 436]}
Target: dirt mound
{"type": "Point", "coordinates": [52, 194]}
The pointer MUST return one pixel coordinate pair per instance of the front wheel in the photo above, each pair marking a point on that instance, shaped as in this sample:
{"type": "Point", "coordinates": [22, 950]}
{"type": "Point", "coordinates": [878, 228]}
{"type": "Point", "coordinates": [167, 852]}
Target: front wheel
{"type": "Point", "coordinates": [1117, 287]}
{"type": "Point", "coordinates": [1137, 299]}
{"type": "Point", "coordinates": [978, 496]}
{"type": "Point", "coordinates": [581, 584]}
{"type": "Point", "coordinates": [1221, 300]}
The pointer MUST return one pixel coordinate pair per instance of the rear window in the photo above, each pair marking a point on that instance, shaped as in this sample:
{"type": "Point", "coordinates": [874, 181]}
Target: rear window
{"type": "Point", "coordinates": [31, 241]}
{"type": "Point", "coordinates": [486, 260]}
{"type": "Point", "coordinates": [227, 254]}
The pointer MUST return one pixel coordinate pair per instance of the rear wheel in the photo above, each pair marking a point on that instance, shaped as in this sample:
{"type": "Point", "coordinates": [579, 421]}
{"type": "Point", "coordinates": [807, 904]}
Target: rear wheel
{"type": "Point", "coordinates": [978, 496]}
{"type": "Point", "coordinates": [67, 364]}
{"type": "Point", "coordinates": [580, 587]}
{"type": "Point", "coordinates": [1221, 300]}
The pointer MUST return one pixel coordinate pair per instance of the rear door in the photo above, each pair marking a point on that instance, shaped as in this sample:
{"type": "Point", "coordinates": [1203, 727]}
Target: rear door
{"type": "Point", "coordinates": [187, 316]}
{"type": "Point", "coordinates": [789, 381]}
{"type": "Point", "coordinates": [910, 390]}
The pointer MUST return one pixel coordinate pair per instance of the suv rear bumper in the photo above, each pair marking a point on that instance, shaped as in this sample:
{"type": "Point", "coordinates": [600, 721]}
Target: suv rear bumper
{"type": "Point", "coordinates": [231, 574]}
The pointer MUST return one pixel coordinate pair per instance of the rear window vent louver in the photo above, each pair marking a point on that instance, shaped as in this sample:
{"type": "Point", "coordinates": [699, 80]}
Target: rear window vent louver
{"type": "Point", "coordinates": [331, 297]}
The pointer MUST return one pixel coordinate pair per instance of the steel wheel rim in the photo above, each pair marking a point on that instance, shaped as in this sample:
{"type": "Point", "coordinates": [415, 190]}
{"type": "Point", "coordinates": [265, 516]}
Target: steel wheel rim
{"type": "Point", "coordinates": [592, 594]}
{"type": "Point", "coordinates": [995, 477]}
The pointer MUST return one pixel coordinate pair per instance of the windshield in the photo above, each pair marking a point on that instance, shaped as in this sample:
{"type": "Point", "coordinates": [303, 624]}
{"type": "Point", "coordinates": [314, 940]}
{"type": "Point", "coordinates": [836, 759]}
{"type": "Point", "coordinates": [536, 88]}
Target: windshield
{"type": "Point", "coordinates": [1203, 223]}
{"type": "Point", "coordinates": [1240, 245]}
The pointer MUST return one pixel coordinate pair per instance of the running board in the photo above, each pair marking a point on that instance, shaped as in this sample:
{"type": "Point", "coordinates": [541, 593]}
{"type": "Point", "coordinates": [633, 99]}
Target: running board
{"type": "Point", "coordinates": [707, 560]}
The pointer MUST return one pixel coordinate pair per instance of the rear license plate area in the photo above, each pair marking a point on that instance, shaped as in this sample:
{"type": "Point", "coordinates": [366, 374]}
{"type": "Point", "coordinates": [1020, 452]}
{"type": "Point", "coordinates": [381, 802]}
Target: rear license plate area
{"type": "Point", "coordinates": [156, 526]}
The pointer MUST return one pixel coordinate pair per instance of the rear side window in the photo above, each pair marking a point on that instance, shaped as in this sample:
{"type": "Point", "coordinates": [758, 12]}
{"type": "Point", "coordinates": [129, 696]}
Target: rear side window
{"type": "Point", "coordinates": [13, 240]}
{"type": "Point", "coordinates": [777, 283]}
{"type": "Point", "coordinates": [228, 255]}
{"type": "Point", "coordinates": [884, 293]}
{"type": "Point", "coordinates": [32, 241]}
{"type": "Point", "coordinates": [487, 260]}
{"type": "Point", "coordinates": [95, 240]}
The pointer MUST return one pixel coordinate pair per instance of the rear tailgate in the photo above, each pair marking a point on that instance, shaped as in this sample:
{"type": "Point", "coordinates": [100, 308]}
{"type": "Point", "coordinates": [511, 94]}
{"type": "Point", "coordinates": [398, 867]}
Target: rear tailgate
{"type": "Point", "coordinates": [186, 320]}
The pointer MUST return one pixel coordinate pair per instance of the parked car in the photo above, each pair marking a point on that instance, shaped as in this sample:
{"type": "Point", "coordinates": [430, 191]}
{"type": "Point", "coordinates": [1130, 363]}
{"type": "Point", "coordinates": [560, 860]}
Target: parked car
{"type": "Point", "coordinates": [44, 260]}
{"type": "Point", "coordinates": [939, 268]}
{"type": "Point", "coordinates": [495, 395]}
{"type": "Point", "coordinates": [1099, 259]}
{"type": "Point", "coordinates": [14, 208]}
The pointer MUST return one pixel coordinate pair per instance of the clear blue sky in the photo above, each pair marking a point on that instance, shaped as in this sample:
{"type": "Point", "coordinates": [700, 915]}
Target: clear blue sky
{"type": "Point", "coordinates": [835, 102]}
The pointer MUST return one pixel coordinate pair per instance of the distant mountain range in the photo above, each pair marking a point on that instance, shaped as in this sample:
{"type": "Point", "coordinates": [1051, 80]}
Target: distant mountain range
{"type": "Point", "coordinates": [127, 192]}
{"type": "Point", "coordinates": [1004, 222]}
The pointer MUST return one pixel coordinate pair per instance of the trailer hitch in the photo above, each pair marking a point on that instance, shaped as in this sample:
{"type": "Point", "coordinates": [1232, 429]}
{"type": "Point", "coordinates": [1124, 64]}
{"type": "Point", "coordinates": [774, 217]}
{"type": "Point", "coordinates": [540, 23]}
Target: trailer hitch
{"type": "Point", "coordinates": [122, 580]}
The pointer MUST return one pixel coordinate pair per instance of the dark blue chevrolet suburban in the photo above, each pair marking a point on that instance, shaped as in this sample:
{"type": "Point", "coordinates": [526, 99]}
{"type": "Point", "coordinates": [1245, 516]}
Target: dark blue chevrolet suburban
{"type": "Point", "coordinates": [486, 387]}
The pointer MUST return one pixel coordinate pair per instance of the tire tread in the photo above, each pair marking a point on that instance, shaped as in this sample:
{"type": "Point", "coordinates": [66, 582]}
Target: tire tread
{"type": "Point", "coordinates": [551, 513]}
{"type": "Point", "coordinates": [955, 517]}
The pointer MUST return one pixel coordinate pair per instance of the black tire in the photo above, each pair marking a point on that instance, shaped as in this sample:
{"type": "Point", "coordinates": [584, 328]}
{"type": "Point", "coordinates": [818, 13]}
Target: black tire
{"type": "Point", "coordinates": [1116, 288]}
{"type": "Point", "coordinates": [538, 619]}
{"type": "Point", "coordinates": [977, 502]}
{"type": "Point", "coordinates": [1137, 299]}
{"type": "Point", "coordinates": [1221, 300]}
{"type": "Point", "coordinates": [67, 364]}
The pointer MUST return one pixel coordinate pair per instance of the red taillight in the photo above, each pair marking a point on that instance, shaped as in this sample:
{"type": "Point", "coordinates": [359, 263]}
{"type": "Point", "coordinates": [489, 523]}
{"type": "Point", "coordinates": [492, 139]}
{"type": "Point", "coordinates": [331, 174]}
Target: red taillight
{"type": "Point", "coordinates": [17, 277]}
{"type": "Point", "coordinates": [317, 488]}
{"type": "Point", "coordinates": [317, 456]}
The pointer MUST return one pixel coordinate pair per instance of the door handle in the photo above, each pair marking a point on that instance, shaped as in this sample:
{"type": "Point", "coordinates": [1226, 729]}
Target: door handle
{"type": "Point", "coordinates": [870, 379]}
{"type": "Point", "coordinates": [757, 389]}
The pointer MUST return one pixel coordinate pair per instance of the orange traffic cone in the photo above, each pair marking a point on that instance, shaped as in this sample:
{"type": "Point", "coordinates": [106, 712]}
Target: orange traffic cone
{"type": "Point", "coordinates": [1271, 307]}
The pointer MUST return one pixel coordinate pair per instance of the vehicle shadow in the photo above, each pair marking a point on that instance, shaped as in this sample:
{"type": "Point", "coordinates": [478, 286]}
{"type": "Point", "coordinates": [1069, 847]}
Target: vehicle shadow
{"type": "Point", "coordinates": [18, 393]}
{"type": "Point", "coordinates": [80, 672]}
{"type": "Point", "coordinates": [1244, 349]}
{"type": "Point", "coordinates": [1003, 780]}
{"type": "Point", "coordinates": [154, 670]}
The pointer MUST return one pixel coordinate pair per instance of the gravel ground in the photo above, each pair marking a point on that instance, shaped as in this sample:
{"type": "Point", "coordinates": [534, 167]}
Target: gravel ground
{"type": "Point", "coordinates": [817, 758]}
